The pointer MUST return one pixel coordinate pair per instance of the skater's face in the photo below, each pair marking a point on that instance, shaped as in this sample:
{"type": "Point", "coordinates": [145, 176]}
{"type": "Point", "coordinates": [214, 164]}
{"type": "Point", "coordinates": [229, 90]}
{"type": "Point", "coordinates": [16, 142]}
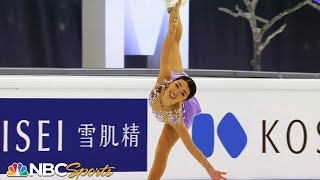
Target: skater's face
{"type": "Point", "coordinates": [178, 91]}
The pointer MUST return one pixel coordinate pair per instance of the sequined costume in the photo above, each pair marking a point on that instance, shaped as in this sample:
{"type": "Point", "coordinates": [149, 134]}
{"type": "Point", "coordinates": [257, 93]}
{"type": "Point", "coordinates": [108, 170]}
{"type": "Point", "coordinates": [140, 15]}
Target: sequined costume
{"type": "Point", "coordinates": [186, 113]}
{"type": "Point", "coordinates": [174, 116]}
{"type": "Point", "coordinates": [183, 114]}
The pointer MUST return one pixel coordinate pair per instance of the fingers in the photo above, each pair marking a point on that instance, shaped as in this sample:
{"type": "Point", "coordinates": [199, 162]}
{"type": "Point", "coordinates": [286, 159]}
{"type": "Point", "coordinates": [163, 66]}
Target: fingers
{"type": "Point", "coordinates": [217, 175]}
{"type": "Point", "coordinates": [220, 175]}
{"type": "Point", "coordinates": [220, 172]}
{"type": "Point", "coordinates": [177, 5]}
{"type": "Point", "coordinates": [179, 2]}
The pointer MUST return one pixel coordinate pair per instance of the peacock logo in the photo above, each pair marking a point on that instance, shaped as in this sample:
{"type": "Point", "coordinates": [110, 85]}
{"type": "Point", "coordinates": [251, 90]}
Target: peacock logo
{"type": "Point", "coordinates": [17, 169]}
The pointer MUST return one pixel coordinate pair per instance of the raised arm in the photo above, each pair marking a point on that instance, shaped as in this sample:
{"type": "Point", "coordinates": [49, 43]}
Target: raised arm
{"type": "Point", "coordinates": [168, 45]}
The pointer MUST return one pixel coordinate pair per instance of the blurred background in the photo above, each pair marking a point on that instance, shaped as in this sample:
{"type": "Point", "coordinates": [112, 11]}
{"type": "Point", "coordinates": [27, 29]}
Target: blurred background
{"type": "Point", "coordinates": [129, 33]}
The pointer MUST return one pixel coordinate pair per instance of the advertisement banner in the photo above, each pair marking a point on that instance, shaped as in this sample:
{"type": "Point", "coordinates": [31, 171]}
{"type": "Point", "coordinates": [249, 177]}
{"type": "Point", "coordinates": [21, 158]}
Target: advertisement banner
{"type": "Point", "coordinates": [250, 128]}
{"type": "Point", "coordinates": [38, 134]}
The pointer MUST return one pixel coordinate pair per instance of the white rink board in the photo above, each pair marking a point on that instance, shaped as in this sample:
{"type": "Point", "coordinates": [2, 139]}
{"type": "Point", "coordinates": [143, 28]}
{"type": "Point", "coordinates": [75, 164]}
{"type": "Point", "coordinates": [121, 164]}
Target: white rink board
{"type": "Point", "coordinates": [250, 100]}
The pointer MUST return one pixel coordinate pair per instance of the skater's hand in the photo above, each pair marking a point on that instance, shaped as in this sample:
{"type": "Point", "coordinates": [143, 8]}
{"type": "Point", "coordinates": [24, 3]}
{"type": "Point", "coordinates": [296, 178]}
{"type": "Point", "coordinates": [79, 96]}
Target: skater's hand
{"type": "Point", "coordinates": [175, 12]}
{"type": "Point", "coordinates": [217, 175]}
{"type": "Point", "coordinates": [177, 5]}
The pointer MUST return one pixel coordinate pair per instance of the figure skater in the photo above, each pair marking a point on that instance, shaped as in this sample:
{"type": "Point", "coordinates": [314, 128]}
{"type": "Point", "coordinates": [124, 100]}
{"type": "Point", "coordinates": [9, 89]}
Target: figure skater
{"type": "Point", "coordinates": [172, 101]}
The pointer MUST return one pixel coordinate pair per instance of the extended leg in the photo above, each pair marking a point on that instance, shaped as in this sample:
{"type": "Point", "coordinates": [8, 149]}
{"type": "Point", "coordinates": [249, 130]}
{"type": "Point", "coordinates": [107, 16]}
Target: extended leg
{"type": "Point", "coordinates": [166, 141]}
{"type": "Point", "coordinates": [176, 62]}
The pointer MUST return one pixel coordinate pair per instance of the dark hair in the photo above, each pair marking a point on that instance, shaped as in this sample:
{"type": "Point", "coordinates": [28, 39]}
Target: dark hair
{"type": "Point", "coordinates": [191, 84]}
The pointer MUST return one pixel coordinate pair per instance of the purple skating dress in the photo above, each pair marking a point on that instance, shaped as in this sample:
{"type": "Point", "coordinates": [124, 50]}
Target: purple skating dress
{"type": "Point", "coordinates": [188, 110]}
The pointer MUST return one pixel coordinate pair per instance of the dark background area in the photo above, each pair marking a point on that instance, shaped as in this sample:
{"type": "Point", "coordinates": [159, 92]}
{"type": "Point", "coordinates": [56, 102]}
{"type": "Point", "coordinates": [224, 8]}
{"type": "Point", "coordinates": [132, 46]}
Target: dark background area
{"type": "Point", "coordinates": [221, 41]}
{"type": "Point", "coordinates": [38, 33]}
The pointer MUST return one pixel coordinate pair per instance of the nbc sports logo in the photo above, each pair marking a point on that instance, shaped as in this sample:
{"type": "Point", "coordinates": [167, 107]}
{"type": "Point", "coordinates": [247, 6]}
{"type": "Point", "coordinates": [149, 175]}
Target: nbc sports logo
{"type": "Point", "coordinates": [229, 131]}
{"type": "Point", "coordinates": [17, 169]}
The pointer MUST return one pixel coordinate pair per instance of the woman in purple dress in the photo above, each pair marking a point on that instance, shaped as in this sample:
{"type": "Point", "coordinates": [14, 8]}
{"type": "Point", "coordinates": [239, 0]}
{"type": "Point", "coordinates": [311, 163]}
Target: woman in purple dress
{"type": "Point", "coordinates": [173, 103]}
